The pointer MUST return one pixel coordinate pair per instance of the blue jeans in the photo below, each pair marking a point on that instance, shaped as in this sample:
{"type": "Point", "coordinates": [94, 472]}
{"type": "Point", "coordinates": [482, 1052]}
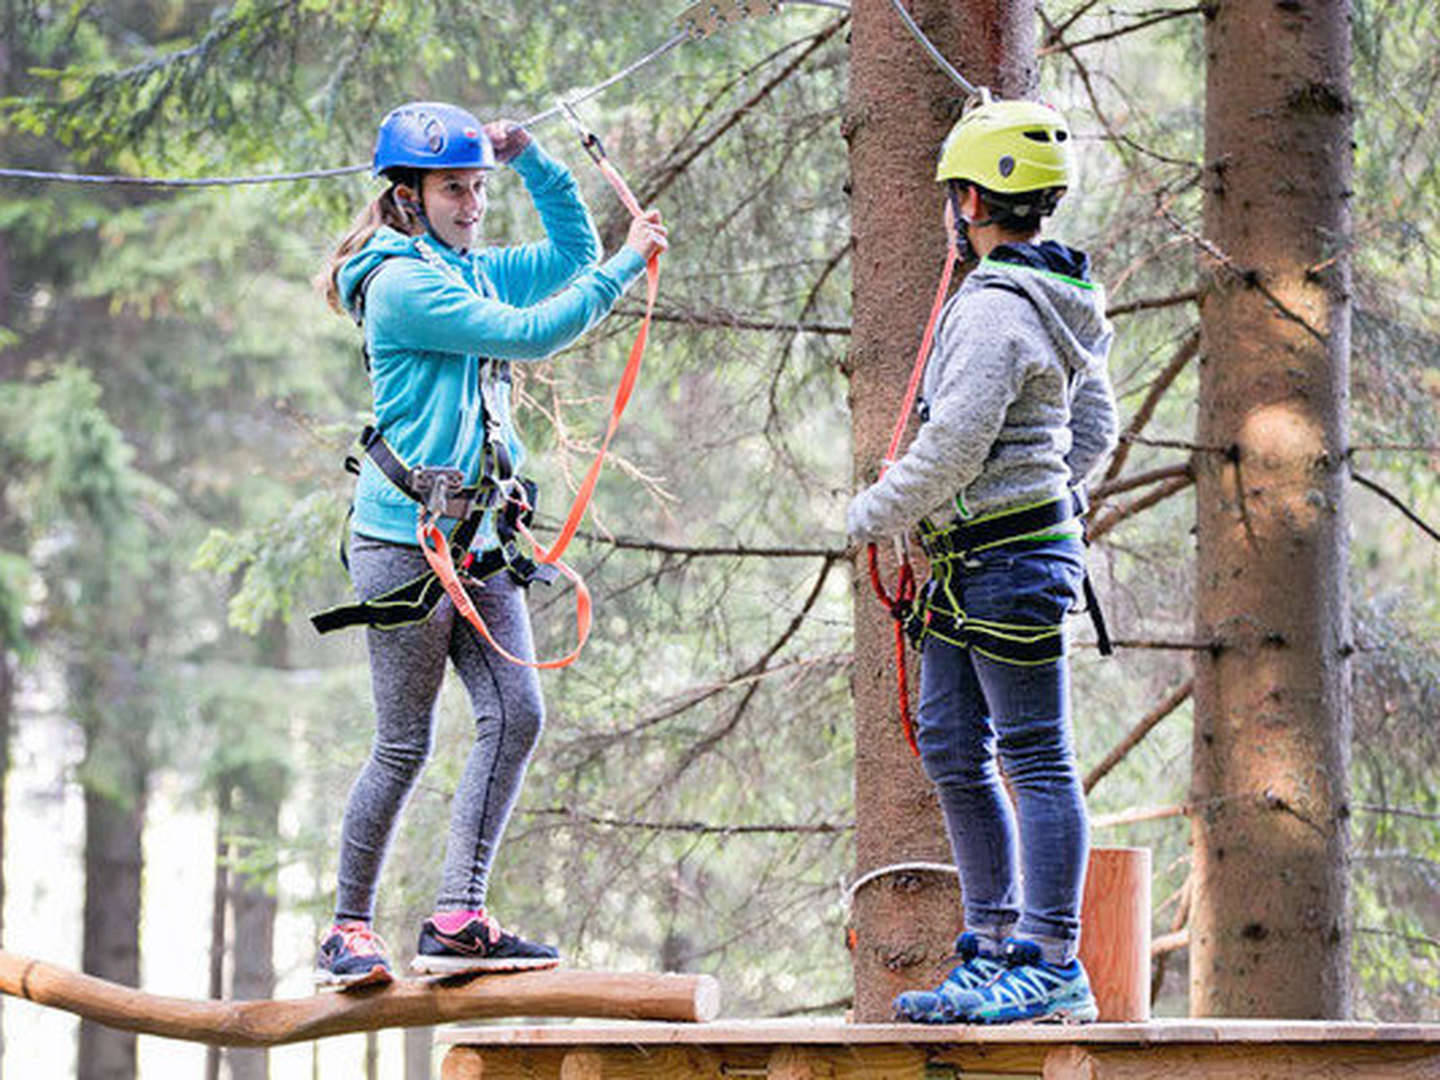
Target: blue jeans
{"type": "Point", "coordinates": [975, 711]}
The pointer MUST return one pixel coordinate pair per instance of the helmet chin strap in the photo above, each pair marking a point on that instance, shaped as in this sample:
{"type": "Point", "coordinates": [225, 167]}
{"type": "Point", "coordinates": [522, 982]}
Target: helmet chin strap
{"type": "Point", "coordinates": [956, 222]}
{"type": "Point", "coordinates": [416, 207]}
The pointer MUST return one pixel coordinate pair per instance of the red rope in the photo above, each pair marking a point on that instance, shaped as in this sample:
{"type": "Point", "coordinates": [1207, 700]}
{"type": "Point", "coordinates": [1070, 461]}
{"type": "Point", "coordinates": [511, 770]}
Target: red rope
{"type": "Point", "coordinates": [904, 596]}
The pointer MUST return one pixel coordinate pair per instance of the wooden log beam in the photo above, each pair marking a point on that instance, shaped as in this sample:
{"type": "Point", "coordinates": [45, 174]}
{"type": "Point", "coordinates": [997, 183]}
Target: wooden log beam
{"type": "Point", "coordinates": [406, 1003]}
{"type": "Point", "coordinates": [1274, 1062]}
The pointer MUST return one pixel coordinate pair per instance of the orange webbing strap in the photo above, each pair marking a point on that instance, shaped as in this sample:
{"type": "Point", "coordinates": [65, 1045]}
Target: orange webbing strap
{"type": "Point", "coordinates": [437, 554]}
{"type": "Point", "coordinates": [432, 541]}
{"type": "Point", "coordinates": [627, 379]}
{"type": "Point", "coordinates": [904, 594]}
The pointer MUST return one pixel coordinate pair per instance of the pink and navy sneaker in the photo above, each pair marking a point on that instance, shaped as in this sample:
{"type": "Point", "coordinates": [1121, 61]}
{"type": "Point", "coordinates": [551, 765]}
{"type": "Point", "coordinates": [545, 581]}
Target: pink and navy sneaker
{"type": "Point", "coordinates": [351, 955]}
{"type": "Point", "coordinates": [452, 942]}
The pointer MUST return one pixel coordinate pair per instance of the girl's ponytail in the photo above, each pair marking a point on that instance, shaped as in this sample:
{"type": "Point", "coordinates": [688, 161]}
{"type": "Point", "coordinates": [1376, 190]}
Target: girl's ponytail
{"type": "Point", "coordinates": [384, 210]}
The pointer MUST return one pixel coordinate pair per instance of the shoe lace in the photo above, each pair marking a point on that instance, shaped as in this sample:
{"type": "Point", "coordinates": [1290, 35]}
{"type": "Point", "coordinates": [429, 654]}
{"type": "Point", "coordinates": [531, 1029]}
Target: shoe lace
{"type": "Point", "coordinates": [359, 939]}
{"type": "Point", "coordinates": [492, 927]}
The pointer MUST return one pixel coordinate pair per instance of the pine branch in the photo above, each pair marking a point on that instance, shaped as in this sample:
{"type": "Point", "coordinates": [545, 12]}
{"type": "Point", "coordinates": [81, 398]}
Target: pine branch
{"type": "Point", "coordinates": [1395, 501]}
{"type": "Point", "coordinates": [1188, 350]}
{"type": "Point", "coordinates": [1159, 493]}
{"type": "Point", "coordinates": [671, 171]}
{"type": "Point", "coordinates": [1409, 939]}
{"type": "Point", "coordinates": [717, 734]}
{"type": "Point", "coordinates": [1397, 811]}
{"type": "Point", "coordinates": [724, 320]}
{"type": "Point", "coordinates": [698, 551]}
{"type": "Point", "coordinates": [1189, 296]}
{"type": "Point", "coordinates": [824, 828]}
{"type": "Point", "coordinates": [1109, 35]}
{"type": "Point", "coordinates": [1130, 483]}
{"type": "Point", "coordinates": [1248, 277]}
{"type": "Point", "coordinates": [1134, 736]}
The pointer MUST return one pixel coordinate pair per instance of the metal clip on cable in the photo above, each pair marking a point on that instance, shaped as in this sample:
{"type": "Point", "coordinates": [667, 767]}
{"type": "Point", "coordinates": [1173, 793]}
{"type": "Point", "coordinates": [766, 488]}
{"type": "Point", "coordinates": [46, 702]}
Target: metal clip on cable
{"type": "Point", "coordinates": [588, 139]}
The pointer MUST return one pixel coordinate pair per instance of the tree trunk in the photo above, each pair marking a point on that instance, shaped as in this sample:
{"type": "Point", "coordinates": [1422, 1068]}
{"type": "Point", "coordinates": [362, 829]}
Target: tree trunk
{"type": "Point", "coordinates": [260, 788]}
{"type": "Point", "coordinates": [1269, 933]}
{"type": "Point", "coordinates": [219, 894]}
{"type": "Point", "coordinates": [900, 108]}
{"type": "Point", "coordinates": [111, 947]}
{"type": "Point", "coordinates": [7, 712]}
{"type": "Point", "coordinates": [253, 904]}
{"type": "Point", "coordinates": [418, 1050]}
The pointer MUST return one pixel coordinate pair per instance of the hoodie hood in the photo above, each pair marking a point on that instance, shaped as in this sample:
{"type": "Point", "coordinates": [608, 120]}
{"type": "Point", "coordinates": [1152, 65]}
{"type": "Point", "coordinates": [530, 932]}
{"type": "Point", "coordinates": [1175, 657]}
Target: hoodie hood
{"type": "Point", "coordinates": [387, 243]}
{"type": "Point", "coordinates": [1056, 280]}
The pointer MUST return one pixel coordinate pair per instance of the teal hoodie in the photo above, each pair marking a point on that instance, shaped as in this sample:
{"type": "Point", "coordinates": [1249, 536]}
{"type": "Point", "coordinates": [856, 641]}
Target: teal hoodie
{"type": "Point", "coordinates": [431, 323]}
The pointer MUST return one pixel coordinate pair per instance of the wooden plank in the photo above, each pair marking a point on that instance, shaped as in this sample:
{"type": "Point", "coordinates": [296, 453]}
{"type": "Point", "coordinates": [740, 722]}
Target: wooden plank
{"type": "Point", "coordinates": [1252, 1062]}
{"type": "Point", "coordinates": [839, 1033]}
{"type": "Point", "coordinates": [558, 992]}
{"type": "Point", "coordinates": [472, 1063]}
{"type": "Point", "coordinates": [846, 1063]}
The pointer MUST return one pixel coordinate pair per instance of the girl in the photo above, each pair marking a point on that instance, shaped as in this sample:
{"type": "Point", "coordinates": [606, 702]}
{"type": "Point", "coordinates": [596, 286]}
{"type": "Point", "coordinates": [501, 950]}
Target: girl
{"type": "Point", "coordinates": [443, 317]}
{"type": "Point", "coordinates": [1017, 410]}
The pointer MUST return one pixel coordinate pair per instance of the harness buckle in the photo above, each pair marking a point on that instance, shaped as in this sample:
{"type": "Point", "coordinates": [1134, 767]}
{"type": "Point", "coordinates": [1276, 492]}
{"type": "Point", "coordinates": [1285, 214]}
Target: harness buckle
{"type": "Point", "coordinates": [436, 486]}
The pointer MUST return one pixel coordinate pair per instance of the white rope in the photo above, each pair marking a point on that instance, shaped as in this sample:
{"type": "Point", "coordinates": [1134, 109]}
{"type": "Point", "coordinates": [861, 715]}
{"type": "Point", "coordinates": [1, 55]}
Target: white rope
{"type": "Point", "coordinates": [895, 868]}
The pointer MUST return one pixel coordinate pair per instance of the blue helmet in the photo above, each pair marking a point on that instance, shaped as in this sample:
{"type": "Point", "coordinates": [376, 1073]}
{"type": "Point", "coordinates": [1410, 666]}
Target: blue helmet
{"type": "Point", "coordinates": [432, 135]}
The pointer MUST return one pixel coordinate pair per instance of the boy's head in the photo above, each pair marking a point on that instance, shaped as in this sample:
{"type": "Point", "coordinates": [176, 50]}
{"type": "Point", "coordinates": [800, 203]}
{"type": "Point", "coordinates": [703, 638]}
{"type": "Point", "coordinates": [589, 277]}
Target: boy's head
{"type": "Point", "coordinates": [1016, 154]}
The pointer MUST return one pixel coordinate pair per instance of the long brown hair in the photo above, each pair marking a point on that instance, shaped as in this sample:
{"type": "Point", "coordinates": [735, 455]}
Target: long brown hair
{"type": "Point", "coordinates": [384, 209]}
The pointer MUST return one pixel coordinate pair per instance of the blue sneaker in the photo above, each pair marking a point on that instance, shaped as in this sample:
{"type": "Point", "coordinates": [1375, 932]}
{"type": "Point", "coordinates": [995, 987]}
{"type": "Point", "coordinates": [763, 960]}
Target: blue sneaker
{"type": "Point", "coordinates": [1028, 988]}
{"type": "Point", "coordinates": [938, 1006]}
{"type": "Point", "coordinates": [351, 956]}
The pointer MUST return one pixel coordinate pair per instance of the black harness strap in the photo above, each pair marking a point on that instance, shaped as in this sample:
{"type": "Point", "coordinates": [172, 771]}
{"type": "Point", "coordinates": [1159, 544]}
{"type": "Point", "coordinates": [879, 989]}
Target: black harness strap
{"type": "Point", "coordinates": [960, 539]}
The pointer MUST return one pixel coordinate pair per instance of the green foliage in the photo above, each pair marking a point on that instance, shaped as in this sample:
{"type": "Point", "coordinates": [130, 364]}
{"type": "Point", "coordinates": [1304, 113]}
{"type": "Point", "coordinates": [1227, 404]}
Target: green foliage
{"type": "Point", "coordinates": [275, 559]}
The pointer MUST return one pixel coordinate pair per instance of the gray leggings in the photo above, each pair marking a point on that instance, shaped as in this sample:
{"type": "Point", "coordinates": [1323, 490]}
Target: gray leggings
{"type": "Point", "coordinates": [407, 666]}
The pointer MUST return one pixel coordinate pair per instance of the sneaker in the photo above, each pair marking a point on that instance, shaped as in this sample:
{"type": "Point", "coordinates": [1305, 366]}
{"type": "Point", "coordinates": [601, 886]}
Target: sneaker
{"type": "Point", "coordinates": [460, 941]}
{"type": "Point", "coordinates": [351, 954]}
{"type": "Point", "coordinates": [1029, 988]}
{"type": "Point", "coordinates": [938, 1006]}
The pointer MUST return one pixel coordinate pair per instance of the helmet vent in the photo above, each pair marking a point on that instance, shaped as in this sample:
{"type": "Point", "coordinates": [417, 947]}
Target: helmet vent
{"type": "Point", "coordinates": [1041, 136]}
{"type": "Point", "coordinates": [434, 134]}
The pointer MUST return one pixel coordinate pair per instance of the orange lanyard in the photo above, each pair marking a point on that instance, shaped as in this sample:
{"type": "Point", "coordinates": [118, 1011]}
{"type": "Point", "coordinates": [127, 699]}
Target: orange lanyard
{"type": "Point", "coordinates": [432, 541]}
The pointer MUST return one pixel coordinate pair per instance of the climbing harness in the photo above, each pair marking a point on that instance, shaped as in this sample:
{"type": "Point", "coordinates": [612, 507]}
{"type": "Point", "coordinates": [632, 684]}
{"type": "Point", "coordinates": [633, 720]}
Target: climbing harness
{"type": "Point", "coordinates": [901, 601]}
{"type": "Point", "coordinates": [443, 493]}
{"type": "Point", "coordinates": [953, 548]}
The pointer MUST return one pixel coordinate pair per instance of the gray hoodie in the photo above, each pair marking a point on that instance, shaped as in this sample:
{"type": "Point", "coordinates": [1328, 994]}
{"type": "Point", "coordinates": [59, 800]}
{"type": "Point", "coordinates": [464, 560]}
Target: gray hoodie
{"type": "Point", "coordinates": [1017, 405]}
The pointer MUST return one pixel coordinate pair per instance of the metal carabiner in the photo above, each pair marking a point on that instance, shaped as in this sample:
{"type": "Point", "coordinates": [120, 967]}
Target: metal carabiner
{"type": "Point", "coordinates": [588, 139]}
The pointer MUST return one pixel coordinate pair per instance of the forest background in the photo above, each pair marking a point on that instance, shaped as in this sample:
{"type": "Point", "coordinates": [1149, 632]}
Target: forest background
{"type": "Point", "coordinates": [176, 401]}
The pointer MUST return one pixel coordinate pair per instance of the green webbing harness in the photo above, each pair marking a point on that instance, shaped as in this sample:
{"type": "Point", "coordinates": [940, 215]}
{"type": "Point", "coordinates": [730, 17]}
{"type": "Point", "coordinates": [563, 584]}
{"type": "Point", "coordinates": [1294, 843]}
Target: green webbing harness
{"type": "Point", "coordinates": [938, 611]}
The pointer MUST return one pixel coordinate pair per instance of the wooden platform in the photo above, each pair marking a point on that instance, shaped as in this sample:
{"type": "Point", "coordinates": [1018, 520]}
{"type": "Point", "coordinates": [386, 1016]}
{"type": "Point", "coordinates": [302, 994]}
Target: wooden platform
{"type": "Point", "coordinates": [788, 1050]}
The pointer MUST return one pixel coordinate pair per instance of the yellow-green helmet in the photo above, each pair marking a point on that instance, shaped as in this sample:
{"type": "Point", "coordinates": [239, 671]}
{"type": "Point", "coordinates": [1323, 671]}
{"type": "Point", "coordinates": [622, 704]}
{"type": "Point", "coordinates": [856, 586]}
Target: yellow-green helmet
{"type": "Point", "coordinates": [1008, 147]}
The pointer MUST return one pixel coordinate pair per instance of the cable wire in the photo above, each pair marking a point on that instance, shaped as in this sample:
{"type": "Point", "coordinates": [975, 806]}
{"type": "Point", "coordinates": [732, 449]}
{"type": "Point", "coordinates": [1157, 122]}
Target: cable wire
{"type": "Point", "coordinates": [346, 170]}
{"type": "Point", "coordinates": [929, 46]}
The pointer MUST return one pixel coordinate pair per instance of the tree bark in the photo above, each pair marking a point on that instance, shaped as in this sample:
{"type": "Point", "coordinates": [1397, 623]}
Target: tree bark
{"type": "Point", "coordinates": [900, 108]}
{"type": "Point", "coordinates": [419, 1049]}
{"type": "Point", "coordinates": [259, 789]}
{"type": "Point", "coordinates": [1269, 933]}
{"type": "Point", "coordinates": [219, 894]}
{"type": "Point", "coordinates": [253, 905]}
{"type": "Point", "coordinates": [111, 945]}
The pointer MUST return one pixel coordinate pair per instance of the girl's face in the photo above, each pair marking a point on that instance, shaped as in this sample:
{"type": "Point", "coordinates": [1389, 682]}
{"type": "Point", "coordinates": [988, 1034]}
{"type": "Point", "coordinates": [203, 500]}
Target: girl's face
{"type": "Point", "coordinates": [454, 201]}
